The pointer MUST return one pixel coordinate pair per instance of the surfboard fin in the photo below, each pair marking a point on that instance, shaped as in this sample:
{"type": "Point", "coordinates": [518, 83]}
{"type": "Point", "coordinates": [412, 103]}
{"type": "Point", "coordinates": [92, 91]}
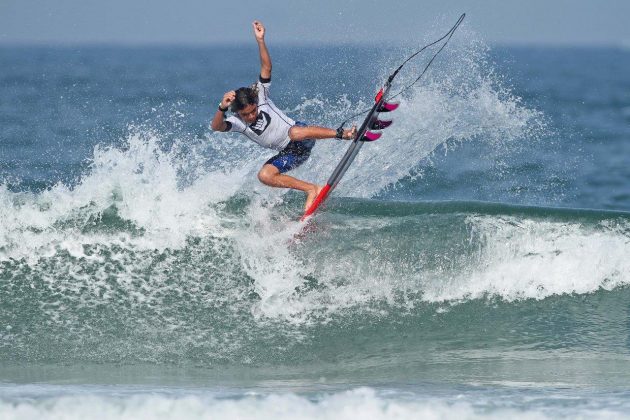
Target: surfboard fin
{"type": "Point", "coordinates": [388, 106]}
{"type": "Point", "coordinates": [381, 124]}
{"type": "Point", "coordinates": [371, 136]}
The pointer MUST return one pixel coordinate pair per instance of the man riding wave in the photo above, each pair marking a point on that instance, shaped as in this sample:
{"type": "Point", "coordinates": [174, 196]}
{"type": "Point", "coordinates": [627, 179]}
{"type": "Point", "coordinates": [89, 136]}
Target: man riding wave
{"type": "Point", "coordinates": [260, 120]}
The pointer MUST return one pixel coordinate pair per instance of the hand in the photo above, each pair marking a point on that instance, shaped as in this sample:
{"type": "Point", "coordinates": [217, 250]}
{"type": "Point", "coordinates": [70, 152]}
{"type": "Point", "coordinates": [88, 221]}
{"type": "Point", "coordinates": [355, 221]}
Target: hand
{"type": "Point", "coordinates": [351, 133]}
{"type": "Point", "coordinates": [259, 30]}
{"type": "Point", "coordinates": [228, 98]}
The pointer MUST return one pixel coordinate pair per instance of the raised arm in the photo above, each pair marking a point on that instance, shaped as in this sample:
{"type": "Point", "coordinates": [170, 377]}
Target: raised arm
{"type": "Point", "coordinates": [265, 59]}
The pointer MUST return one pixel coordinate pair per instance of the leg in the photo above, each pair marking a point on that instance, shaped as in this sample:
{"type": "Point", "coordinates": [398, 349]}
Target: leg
{"type": "Point", "coordinates": [270, 175]}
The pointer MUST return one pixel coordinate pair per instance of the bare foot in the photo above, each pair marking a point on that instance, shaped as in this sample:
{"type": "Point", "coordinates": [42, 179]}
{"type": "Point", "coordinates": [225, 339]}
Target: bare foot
{"type": "Point", "coordinates": [311, 195]}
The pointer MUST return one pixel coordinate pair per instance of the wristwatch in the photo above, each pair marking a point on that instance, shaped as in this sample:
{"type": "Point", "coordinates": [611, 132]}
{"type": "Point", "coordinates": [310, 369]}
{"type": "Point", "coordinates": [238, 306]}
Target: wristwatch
{"type": "Point", "coordinates": [224, 110]}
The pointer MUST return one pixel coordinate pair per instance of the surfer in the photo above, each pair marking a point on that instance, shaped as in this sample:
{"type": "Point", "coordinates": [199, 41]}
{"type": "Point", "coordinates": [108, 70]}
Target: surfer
{"type": "Point", "coordinates": [259, 119]}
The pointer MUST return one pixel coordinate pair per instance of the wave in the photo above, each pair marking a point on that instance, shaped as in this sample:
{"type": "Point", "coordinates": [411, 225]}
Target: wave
{"type": "Point", "coordinates": [243, 279]}
{"type": "Point", "coordinates": [66, 402]}
{"type": "Point", "coordinates": [172, 252]}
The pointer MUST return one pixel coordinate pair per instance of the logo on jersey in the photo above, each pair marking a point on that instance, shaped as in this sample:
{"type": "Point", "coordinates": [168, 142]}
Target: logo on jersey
{"type": "Point", "coordinates": [262, 122]}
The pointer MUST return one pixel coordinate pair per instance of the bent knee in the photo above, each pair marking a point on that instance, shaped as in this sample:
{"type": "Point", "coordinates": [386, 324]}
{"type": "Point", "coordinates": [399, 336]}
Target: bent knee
{"type": "Point", "coordinates": [296, 133]}
{"type": "Point", "coordinates": [267, 173]}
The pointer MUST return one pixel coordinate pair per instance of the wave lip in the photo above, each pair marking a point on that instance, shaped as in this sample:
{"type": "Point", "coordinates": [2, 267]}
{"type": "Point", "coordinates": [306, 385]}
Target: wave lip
{"type": "Point", "coordinates": [520, 259]}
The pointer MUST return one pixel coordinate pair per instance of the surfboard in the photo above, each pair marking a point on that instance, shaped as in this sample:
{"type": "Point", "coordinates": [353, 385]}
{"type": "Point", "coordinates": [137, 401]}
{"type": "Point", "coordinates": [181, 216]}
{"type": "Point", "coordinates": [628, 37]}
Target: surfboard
{"type": "Point", "coordinates": [369, 130]}
{"type": "Point", "coordinates": [371, 126]}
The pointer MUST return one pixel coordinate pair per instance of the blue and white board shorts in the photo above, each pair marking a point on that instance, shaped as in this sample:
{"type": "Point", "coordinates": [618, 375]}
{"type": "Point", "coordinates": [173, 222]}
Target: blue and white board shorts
{"type": "Point", "coordinates": [292, 156]}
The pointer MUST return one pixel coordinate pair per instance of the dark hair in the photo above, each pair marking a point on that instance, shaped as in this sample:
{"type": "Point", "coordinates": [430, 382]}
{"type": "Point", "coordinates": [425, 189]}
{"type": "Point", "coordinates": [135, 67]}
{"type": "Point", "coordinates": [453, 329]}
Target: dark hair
{"type": "Point", "coordinates": [244, 96]}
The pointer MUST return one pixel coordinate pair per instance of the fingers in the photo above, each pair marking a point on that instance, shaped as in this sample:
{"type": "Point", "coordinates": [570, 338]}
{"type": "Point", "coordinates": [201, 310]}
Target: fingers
{"type": "Point", "coordinates": [350, 134]}
{"type": "Point", "coordinates": [228, 98]}
{"type": "Point", "coordinates": [259, 29]}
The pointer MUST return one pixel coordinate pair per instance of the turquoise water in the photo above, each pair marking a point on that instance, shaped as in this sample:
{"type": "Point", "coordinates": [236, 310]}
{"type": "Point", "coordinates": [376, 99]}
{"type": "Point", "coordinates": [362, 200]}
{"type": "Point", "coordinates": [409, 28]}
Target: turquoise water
{"type": "Point", "coordinates": [472, 264]}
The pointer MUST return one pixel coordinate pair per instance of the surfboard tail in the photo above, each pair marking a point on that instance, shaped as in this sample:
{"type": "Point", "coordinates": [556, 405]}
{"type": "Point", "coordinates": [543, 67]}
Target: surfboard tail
{"type": "Point", "coordinates": [379, 95]}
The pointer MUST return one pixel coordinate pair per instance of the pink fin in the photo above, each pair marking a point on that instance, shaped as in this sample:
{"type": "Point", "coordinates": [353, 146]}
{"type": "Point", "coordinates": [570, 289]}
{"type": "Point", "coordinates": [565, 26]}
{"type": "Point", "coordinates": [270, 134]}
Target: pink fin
{"type": "Point", "coordinates": [388, 106]}
{"type": "Point", "coordinates": [371, 136]}
{"type": "Point", "coordinates": [381, 124]}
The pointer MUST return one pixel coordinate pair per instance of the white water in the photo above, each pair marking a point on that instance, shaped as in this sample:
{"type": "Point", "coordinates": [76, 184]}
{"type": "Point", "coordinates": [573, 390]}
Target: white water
{"type": "Point", "coordinates": [531, 259]}
{"type": "Point", "coordinates": [363, 403]}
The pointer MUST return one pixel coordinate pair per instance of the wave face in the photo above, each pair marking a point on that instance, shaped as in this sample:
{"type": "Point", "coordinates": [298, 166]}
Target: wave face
{"type": "Point", "coordinates": [239, 288]}
{"type": "Point", "coordinates": [473, 244]}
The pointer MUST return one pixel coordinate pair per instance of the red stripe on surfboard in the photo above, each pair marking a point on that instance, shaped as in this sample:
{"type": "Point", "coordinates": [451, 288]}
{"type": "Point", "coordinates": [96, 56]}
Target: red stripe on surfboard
{"type": "Point", "coordinates": [379, 95]}
{"type": "Point", "coordinates": [318, 200]}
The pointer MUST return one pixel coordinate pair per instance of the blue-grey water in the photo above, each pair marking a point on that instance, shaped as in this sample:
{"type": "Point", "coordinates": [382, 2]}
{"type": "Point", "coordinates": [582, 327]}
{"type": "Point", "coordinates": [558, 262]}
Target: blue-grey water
{"type": "Point", "coordinates": [473, 263]}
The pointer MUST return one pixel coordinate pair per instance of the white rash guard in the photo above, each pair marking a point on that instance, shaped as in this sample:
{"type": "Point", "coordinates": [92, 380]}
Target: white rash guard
{"type": "Point", "coordinates": [271, 128]}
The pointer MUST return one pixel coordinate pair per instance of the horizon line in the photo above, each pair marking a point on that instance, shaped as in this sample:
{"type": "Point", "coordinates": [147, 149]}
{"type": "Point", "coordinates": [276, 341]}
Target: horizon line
{"type": "Point", "coordinates": [625, 44]}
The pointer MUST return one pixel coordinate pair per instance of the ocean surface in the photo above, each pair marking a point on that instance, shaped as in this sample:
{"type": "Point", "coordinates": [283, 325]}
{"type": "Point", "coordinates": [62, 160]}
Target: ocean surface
{"type": "Point", "coordinates": [473, 263]}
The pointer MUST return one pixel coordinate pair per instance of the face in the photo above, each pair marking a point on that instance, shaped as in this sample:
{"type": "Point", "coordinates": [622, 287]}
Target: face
{"type": "Point", "coordinates": [249, 113]}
